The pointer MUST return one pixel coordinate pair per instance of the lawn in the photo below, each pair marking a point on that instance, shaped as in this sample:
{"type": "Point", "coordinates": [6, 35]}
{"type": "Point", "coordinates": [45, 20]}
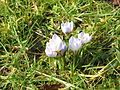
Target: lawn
{"type": "Point", "coordinates": [26, 28]}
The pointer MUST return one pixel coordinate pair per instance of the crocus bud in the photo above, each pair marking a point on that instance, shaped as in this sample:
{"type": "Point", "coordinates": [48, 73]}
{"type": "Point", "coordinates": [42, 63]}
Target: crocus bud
{"type": "Point", "coordinates": [84, 37]}
{"type": "Point", "coordinates": [67, 27]}
{"type": "Point", "coordinates": [74, 43]}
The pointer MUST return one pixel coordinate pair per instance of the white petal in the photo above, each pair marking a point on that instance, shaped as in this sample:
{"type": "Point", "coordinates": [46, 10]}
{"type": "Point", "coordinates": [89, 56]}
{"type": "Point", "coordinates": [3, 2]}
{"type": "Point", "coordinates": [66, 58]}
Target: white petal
{"type": "Point", "coordinates": [67, 27]}
{"type": "Point", "coordinates": [50, 53]}
{"type": "Point", "coordinates": [55, 37]}
{"type": "Point", "coordinates": [81, 35]}
{"type": "Point", "coordinates": [84, 37]}
{"type": "Point", "coordinates": [55, 42]}
{"type": "Point", "coordinates": [74, 43]}
{"type": "Point", "coordinates": [64, 28]}
{"type": "Point", "coordinates": [64, 47]}
{"type": "Point", "coordinates": [55, 45]}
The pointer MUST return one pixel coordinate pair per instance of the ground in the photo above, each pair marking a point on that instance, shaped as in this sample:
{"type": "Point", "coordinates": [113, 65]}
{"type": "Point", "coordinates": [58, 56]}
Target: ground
{"type": "Point", "coordinates": [27, 25]}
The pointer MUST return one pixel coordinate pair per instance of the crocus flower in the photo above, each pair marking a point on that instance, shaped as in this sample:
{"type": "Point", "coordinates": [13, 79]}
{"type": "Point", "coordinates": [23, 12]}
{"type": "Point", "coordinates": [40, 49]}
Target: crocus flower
{"type": "Point", "coordinates": [84, 37]}
{"type": "Point", "coordinates": [54, 46]}
{"type": "Point", "coordinates": [67, 27]}
{"type": "Point", "coordinates": [74, 43]}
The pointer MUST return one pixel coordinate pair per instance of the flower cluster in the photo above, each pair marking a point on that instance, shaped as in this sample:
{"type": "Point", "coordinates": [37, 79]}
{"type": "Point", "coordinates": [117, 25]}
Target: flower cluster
{"type": "Point", "coordinates": [56, 45]}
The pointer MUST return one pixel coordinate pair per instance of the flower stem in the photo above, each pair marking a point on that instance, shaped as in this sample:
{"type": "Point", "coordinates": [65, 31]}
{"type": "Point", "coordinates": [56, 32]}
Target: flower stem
{"type": "Point", "coordinates": [74, 63]}
{"type": "Point", "coordinates": [63, 63]}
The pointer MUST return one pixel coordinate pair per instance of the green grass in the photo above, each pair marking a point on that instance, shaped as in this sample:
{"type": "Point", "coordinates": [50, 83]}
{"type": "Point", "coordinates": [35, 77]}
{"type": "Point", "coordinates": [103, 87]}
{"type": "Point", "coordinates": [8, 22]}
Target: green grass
{"type": "Point", "coordinates": [26, 26]}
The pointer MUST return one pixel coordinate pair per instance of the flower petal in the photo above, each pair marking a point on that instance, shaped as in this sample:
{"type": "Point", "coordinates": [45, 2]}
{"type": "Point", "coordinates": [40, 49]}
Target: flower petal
{"type": "Point", "coordinates": [67, 27]}
{"type": "Point", "coordinates": [50, 53]}
{"type": "Point", "coordinates": [55, 45]}
{"type": "Point", "coordinates": [84, 37]}
{"type": "Point", "coordinates": [74, 43]}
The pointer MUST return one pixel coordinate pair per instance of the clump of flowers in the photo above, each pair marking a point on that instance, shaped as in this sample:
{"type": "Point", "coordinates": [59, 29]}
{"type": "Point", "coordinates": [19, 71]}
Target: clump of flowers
{"type": "Point", "coordinates": [56, 45]}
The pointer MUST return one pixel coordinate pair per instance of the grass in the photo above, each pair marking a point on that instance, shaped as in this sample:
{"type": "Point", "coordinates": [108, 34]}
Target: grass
{"type": "Point", "coordinates": [26, 26]}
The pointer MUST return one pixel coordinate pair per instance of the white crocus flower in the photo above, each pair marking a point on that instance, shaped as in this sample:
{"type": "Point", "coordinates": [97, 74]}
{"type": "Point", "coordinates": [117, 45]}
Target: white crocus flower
{"type": "Point", "coordinates": [67, 27]}
{"type": "Point", "coordinates": [54, 46]}
{"type": "Point", "coordinates": [74, 43]}
{"type": "Point", "coordinates": [84, 37]}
